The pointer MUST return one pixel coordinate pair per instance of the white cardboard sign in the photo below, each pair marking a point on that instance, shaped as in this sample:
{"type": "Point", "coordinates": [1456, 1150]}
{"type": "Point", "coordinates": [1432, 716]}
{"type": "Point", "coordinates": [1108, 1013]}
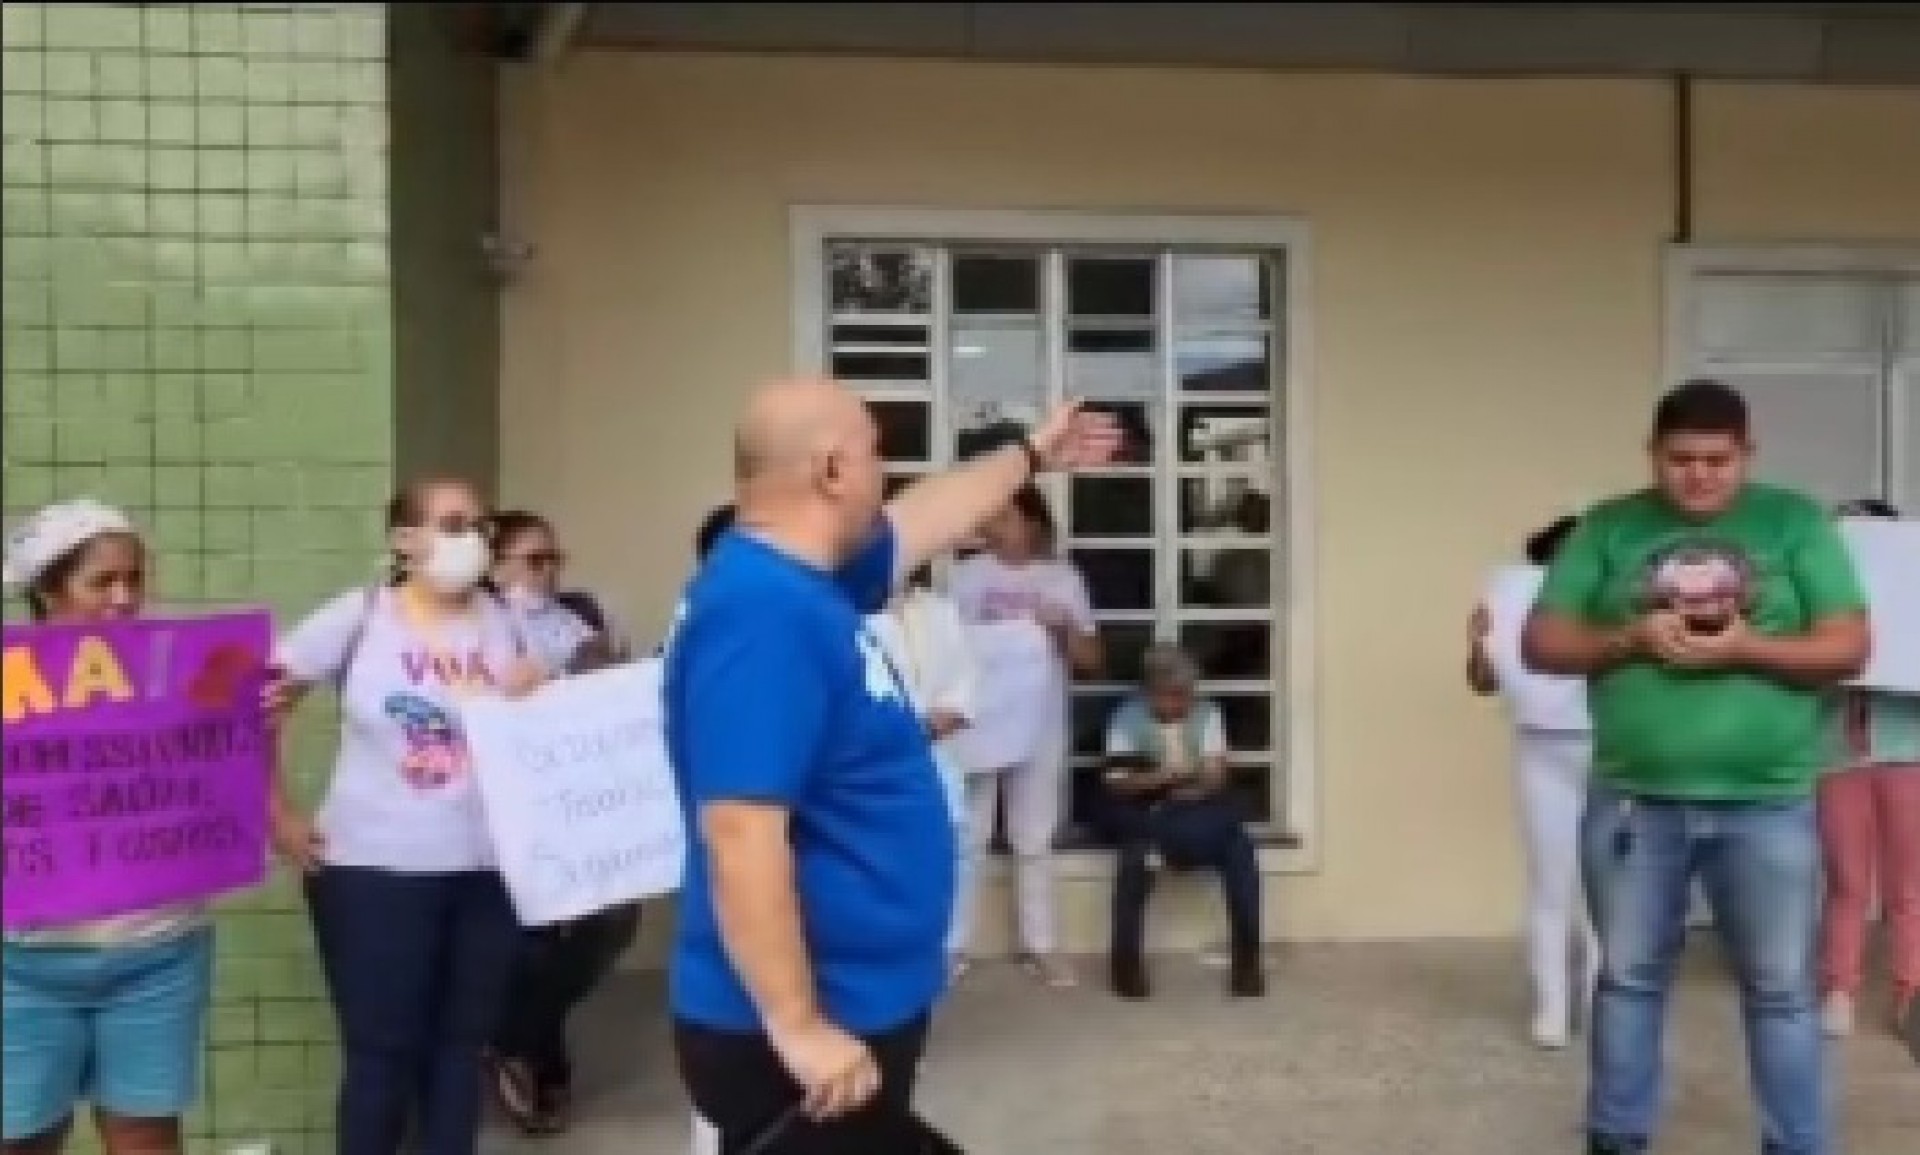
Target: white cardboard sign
{"type": "Point", "coordinates": [1887, 554]}
{"type": "Point", "coordinates": [579, 793]}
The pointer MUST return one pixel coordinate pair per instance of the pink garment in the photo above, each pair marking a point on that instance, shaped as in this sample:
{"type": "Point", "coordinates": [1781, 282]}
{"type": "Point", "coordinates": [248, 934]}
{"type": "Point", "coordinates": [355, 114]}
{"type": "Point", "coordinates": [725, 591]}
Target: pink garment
{"type": "Point", "coordinates": [1870, 839]}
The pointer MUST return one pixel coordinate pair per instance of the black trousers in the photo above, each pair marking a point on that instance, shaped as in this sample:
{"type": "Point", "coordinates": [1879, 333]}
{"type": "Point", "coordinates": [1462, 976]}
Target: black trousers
{"type": "Point", "coordinates": [738, 1084]}
{"type": "Point", "coordinates": [559, 966]}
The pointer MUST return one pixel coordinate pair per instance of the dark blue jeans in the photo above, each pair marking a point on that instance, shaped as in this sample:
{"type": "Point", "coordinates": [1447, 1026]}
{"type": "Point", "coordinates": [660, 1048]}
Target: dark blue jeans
{"type": "Point", "coordinates": [559, 966]}
{"type": "Point", "coordinates": [417, 965]}
{"type": "Point", "coordinates": [1204, 833]}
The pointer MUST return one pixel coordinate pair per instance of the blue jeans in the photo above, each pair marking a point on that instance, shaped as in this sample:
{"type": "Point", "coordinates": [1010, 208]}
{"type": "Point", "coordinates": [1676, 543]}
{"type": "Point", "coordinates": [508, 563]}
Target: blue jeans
{"type": "Point", "coordinates": [1203, 833]}
{"type": "Point", "coordinates": [418, 966]}
{"type": "Point", "coordinates": [1759, 863]}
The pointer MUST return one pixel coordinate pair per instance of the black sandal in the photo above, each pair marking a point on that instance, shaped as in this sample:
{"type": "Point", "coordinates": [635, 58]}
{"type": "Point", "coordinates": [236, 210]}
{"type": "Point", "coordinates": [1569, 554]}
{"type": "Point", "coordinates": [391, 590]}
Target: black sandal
{"type": "Point", "coordinates": [514, 1089]}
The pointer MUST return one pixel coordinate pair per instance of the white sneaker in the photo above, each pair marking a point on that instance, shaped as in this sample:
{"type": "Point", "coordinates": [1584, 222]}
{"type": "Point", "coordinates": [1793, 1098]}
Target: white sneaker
{"type": "Point", "coordinates": [1836, 1015]}
{"type": "Point", "coordinates": [1550, 1031]}
{"type": "Point", "coordinates": [1052, 970]}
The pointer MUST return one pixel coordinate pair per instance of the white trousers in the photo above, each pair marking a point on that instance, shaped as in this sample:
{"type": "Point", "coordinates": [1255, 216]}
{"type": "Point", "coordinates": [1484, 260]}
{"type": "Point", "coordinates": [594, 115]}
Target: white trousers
{"type": "Point", "coordinates": [1550, 783]}
{"type": "Point", "coordinates": [1034, 793]}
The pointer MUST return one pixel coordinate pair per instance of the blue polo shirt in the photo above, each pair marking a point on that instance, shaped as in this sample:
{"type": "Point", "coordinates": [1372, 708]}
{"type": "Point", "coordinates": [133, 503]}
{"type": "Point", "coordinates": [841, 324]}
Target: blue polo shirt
{"type": "Point", "coordinates": [776, 692]}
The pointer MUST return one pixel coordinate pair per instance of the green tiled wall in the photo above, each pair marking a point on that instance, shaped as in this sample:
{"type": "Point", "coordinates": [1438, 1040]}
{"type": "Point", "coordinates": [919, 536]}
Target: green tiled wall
{"type": "Point", "coordinates": [197, 325]}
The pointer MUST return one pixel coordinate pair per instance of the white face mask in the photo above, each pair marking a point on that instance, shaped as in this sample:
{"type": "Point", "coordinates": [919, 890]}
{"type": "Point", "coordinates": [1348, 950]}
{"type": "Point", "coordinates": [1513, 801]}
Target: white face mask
{"type": "Point", "coordinates": [456, 562]}
{"type": "Point", "coordinates": [527, 599]}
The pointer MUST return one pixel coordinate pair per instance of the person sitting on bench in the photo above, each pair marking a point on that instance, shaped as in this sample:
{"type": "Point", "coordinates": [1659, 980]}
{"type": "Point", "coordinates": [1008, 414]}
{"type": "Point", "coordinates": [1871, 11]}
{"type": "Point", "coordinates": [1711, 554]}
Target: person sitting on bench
{"type": "Point", "coordinates": [1168, 804]}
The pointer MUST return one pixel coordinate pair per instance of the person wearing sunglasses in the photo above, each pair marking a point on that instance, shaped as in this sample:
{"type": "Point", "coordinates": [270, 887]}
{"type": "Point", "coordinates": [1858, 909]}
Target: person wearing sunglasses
{"type": "Point", "coordinates": [529, 1067]}
{"type": "Point", "coordinates": [417, 938]}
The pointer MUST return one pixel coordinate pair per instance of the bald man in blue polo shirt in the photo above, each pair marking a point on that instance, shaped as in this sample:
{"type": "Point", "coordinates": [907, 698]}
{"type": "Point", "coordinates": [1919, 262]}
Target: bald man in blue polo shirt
{"type": "Point", "coordinates": [811, 945]}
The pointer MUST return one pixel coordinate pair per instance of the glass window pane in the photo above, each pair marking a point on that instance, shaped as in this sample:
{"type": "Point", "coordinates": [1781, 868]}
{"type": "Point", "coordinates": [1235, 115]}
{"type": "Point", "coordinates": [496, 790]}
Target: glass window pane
{"type": "Point", "coordinates": [1821, 434]}
{"type": "Point", "coordinates": [1754, 317]}
{"type": "Point", "coordinates": [1226, 433]}
{"type": "Point", "coordinates": [1252, 788]}
{"type": "Point", "coordinates": [996, 283]}
{"type": "Point", "coordinates": [1249, 721]}
{"type": "Point", "coordinates": [1125, 643]}
{"type": "Point", "coordinates": [1110, 286]}
{"type": "Point", "coordinates": [906, 429]}
{"type": "Point", "coordinates": [1226, 579]}
{"type": "Point", "coordinates": [1230, 504]}
{"type": "Point", "coordinates": [1110, 506]}
{"type": "Point", "coordinates": [1112, 363]}
{"type": "Point", "coordinates": [1909, 335]}
{"type": "Point", "coordinates": [1907, 379]}
{"type": "Point", "coordinates": [998, 373]}
{"type": "Point", "coordinates": [900, 368]}
{"type": "Point", "coordinates": [1223, 363]}
{"type": "Point", "coordinates": [1091, 710]}
{"type": "Point", "coordinates": [1139, 423]}
{"type": "Point", "coordinates": [1221, 288]}
{"type": "Point", "coordinates": [1230, 651]}
{"type": "Point", "coordinates": [862, 279]}
{"type": "Point", "coordinates": [1117, 579]}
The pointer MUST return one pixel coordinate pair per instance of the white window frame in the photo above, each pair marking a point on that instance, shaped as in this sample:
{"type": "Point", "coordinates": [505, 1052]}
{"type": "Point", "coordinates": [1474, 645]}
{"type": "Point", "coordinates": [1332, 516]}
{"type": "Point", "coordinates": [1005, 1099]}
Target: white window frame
{"type": "Point", "coordinates": [812, 227]}
{"type": "Point", "coordinates": [1685, 264]}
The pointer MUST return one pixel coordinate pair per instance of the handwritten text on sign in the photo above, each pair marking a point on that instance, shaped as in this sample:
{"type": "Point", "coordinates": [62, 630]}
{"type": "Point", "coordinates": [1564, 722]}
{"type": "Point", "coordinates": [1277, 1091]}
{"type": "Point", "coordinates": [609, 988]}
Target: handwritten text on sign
{"type": "Point", "coordinates": [137, 759]}
{"type": "Point", "coordinates": [578, 792]}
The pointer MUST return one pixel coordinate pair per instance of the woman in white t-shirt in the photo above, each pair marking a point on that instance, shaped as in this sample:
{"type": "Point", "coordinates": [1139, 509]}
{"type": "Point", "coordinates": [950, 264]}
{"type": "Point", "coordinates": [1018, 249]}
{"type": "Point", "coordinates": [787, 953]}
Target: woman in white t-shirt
{"type": "Point", "coordinates": [1552, 752]}
{"type": "Point", "coordinates": [416, 935]}
{"type": "Point", "coordinates": [923, 637]}
{"type": "Point", "coordinates": [1032, 630]}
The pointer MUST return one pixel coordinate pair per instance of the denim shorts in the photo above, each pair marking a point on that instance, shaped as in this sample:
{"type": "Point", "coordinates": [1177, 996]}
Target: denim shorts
{"type": "Point", "coordinates": [119, 1027]}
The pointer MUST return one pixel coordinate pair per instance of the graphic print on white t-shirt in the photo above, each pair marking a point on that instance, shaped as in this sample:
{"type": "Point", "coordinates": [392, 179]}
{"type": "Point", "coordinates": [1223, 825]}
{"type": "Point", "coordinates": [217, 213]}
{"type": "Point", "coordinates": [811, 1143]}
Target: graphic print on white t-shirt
{"type": "Point", "coordinates": [882, 681]}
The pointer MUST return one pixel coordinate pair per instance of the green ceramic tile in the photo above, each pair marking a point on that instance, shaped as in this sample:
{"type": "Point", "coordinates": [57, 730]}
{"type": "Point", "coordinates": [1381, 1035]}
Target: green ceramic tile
{"type": "Point", "coordinates": [121, 74]}
{"type": "Point", "coordinates": [124, 120]}
{"type": "Point", "coordinates": [269, 81]}
{"type": "Point", "coordinates": [223, 125]}
{"type": "Point", "coordinates": [170, 77]}
{"type": "Point", "coordinates": [22, 25]}
{"type": "Point", "coordinates": [22, 69]}
{"type": "Point", "coordinates": [267, 33]}
{"type": "Point", "coordinates": [25, 211]}
{"type": "Point", "coordinates": [30, 440]}
{"type": "Point", "coordinates": [25, 350]}
{"type": "Point", "coordinates": [96, 26]}
{"type": "Point", "coordinates": [63, 119]}
{"type": "Point", "coordinates": [269, 125]}
{"type": "Point", "coordinates": [173, 122]}
{"type": "Point", "coordinates": [223, 214]}
{"type": "Point", "coordinates": [169, 28]}
{"type": "Point", "coordinates": [26, 258]}
{"type": "Point", "coordinates": [26, 303]}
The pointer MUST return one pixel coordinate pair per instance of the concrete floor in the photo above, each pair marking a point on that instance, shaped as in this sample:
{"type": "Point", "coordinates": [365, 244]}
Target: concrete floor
{"type": "Point", "coordinates": [1360, 1050]}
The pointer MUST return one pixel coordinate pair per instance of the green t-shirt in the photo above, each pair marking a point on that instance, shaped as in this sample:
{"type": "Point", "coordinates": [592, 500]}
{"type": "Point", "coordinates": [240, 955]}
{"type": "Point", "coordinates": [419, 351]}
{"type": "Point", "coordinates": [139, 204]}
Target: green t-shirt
{"type": "Point", "coordinates": [1773, 556]}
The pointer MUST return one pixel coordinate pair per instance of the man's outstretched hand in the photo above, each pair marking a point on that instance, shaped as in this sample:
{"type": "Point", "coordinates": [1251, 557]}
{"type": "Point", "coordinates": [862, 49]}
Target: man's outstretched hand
{"type": "Point", "coordinates": [1075, 437]}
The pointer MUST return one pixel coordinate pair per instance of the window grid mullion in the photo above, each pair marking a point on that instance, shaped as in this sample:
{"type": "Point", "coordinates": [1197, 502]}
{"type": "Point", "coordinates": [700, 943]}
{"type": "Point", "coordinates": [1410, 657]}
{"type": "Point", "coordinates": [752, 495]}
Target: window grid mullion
{"type": "Point", "coordinates": [1166, 488]}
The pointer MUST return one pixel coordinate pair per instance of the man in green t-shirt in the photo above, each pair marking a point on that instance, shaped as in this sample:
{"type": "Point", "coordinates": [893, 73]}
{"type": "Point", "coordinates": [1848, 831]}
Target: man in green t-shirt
{"type": "Point", "coordinates": [1708, 613]}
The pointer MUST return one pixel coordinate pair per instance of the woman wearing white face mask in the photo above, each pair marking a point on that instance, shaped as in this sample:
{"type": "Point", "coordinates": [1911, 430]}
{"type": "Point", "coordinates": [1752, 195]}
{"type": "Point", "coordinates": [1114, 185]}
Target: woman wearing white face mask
{"type": "Point", "coordinates": [416, 935]}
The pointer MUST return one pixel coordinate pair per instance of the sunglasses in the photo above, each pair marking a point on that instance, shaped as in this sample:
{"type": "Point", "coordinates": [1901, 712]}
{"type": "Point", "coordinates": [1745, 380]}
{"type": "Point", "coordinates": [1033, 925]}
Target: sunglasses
{"type": "Point", "coordinates": [456, 523]}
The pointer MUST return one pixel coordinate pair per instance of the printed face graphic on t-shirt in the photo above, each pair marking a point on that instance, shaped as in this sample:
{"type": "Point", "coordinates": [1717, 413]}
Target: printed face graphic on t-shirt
{"type": "Point", "coordinates": [1708, 583]}
{"type": "Point", "coordinates": [436, 754]}
{"type": "Point", "coordinates": [1008, 604]}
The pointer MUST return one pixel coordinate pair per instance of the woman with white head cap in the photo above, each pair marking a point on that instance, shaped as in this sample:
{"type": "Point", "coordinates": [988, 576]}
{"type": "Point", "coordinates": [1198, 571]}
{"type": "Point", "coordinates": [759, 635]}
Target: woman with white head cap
{"type": "Point", "coordinates": [110, 1012]}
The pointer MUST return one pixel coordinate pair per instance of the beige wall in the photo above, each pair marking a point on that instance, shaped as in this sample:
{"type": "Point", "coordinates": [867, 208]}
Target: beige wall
{"type": "Point", "coordinates": [1484, 313]}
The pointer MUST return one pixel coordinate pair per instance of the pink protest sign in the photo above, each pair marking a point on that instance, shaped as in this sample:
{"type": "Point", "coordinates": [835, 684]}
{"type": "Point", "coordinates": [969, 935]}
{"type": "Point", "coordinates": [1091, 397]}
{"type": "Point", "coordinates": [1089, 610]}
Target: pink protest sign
{"type": "Point", "coordinates": [137, 764]}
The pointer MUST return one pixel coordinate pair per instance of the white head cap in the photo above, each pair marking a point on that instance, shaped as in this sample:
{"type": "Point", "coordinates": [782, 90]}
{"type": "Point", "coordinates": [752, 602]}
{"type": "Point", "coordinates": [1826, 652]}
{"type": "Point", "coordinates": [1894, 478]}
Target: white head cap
{"type": "Point", "coordinates": [53, 533]}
